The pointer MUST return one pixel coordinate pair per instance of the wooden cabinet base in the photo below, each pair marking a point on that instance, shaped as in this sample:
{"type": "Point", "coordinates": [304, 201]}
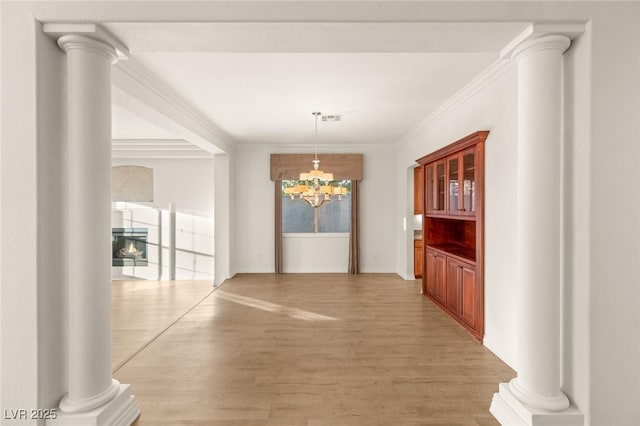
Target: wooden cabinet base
{"type": "Point", "coordinates": [452, 284]}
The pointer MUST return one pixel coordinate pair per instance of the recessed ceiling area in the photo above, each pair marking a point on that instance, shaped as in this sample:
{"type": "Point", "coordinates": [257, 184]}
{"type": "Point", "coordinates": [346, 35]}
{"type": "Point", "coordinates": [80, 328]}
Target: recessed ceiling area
{"type": "Point", "coordinates": [259, 82]}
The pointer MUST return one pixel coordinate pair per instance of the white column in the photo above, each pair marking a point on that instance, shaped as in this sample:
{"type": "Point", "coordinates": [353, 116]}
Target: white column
{"type": "Point", "coordinates": [91, 388]}
{"type": "Point", "coordinates": [535, 395]}
{"type": "Point", "coordinates": [538, 222]}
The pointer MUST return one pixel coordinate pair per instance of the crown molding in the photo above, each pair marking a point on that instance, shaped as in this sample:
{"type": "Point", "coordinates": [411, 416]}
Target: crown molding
{"type": "Point", "coordinates": [167, 155]}
{"type": "Point", "coordinates": [494, 72]}
{"type": "Point", "coordinates": [324, 148]}
{"type": "Point", "coordinates": [190, 124]}
{"type": "Point", "coordinates": [483, 80]}
{"type": "Point", "coordinates": [156, 148]}
{"type": "Point", "coordinates": [134, 79]}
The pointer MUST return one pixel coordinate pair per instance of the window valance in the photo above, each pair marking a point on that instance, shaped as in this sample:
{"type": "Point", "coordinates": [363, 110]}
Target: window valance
{"type": "Point", "coordinates": [343, 166]}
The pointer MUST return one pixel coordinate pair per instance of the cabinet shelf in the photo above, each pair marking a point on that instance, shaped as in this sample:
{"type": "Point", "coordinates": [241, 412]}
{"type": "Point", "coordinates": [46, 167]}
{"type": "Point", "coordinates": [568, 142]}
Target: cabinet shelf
{"type": "Point", "coordinates": [446, 216]}
{"type": "Point", "coordinates": [464, 253]}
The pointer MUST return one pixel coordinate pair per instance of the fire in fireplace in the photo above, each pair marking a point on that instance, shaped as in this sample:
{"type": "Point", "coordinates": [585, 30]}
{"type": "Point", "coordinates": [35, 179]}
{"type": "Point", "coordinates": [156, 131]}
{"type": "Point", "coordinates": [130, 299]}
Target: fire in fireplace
{"type": "Point", "coordinates": [129, 246]}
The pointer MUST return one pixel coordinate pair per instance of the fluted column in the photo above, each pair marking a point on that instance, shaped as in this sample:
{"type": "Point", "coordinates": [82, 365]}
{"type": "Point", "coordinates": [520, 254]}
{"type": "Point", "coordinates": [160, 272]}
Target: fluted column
{"type": "Point", "coordinates": [90, 385]}
{"type": "Point", "coordinates": [536, 392]}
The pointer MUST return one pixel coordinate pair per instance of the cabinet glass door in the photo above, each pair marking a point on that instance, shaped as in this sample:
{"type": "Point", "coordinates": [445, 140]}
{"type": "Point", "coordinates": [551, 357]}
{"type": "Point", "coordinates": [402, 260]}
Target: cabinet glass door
{"type": "Point", "coordinates": [430, 182]}
{"type": "Point", "coordinates": [469, 182]}
{"type": "Point", "coordinates": [454, 184]}
{"type": "Point", "coordinates": [440, 188]}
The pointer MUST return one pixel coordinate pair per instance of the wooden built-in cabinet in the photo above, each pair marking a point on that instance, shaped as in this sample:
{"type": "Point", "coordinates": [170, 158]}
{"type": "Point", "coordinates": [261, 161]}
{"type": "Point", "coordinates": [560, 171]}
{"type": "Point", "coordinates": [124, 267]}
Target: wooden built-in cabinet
{"type": "Point", "coordinates": [418, 260]}
{"type": "Point", "coordinates": [453, 230]}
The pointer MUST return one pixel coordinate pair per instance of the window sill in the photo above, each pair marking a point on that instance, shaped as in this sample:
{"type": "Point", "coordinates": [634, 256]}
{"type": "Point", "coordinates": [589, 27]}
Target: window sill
{"type": "Point", "coordinates": [318, 235]}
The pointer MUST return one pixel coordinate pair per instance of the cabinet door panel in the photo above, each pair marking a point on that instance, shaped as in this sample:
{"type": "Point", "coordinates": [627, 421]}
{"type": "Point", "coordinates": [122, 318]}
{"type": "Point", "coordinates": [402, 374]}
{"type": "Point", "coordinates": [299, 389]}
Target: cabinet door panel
{"type": "Point", "coordinates": [417, 262]}
{"type": "Point", "coordinates": [440, 279]}
{"type": "Point", "coordinates": [430, 273]}
{"type": "Point", "coordinates": [440, 187]}
{"type": "Point", "coordinates": [468, 281]}
{"type": "Point", "coordinates": [468, 190]}
{"type": "Point", "coordinates": [453, 291]}
{"type": "Point", "coordinates": [453, 184]}
{"type": "Point", "coordinates": [430, 183]}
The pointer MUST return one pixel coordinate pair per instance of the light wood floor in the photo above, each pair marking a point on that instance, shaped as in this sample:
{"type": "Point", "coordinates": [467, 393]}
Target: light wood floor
{"type": "Point", "coordinates": [313, 350]}
{"type": "Point", "coordinates": [141, 310]}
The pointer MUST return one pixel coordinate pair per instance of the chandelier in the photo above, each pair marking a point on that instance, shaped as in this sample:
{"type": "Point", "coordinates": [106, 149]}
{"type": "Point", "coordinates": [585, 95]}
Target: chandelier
{"type": "Point", "coordinates": [315, 187]}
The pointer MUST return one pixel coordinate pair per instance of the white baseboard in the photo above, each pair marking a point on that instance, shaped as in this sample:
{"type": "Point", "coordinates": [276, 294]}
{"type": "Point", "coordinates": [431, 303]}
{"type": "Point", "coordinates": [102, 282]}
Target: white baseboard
{"type": "Point", "coordinates": [489, 343]}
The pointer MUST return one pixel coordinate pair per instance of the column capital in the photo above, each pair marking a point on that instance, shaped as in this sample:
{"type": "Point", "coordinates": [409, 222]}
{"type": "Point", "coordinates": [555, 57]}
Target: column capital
{"type": "Point", "coordinates": [70, 42]}
{"type": "Point", "coordinates": [540, 31]}
{"type": "Point", "coordinates": [58, 31]}
{"type": "Point", "coordinates": [559, 43]}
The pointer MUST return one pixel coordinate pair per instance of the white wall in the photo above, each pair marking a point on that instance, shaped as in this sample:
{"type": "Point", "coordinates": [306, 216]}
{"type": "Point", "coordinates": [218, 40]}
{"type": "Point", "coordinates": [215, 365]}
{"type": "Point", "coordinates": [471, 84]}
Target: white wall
{"type": "Point", "coordinates": [576, 195]}
{"type": "Point", "coordinates": [189, 183]}
{"type": "Point", "coordinates": [32, 324]}
{"type": "Point", "coordinates": [322, 252]}
{"type": "Point", "coordinates": [224, 218]}
{"type": "Point", "coordinates": [254, 212]}
{"type": "Point", "coordinates": [52, 226]}
{"type": "Point", "coordinates": [255, 209]}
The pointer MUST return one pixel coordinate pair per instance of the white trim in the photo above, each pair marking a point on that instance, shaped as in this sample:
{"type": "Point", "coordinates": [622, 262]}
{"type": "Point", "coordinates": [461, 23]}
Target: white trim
{"type": "Point", "coordinates": [314, 270]}
{"type": "Point", "coordinates": [407, 277]}
{"type": "Point", "coordinates": [248, 269]}
{"type": "Point", "coordinates": [488, 342]}
{"type": "Point", "coordinates": [492, 73]}
{"type": "Point", "coordinates": [138, 154]}
{"type": "Point", "coordinates": [156, 148]}
{"type": "Point", "coordinates": [470, 90]}
{"type": "Point", "coordinates": [322, 148]}
{"type": "Point", "coordinates": [376, 269]}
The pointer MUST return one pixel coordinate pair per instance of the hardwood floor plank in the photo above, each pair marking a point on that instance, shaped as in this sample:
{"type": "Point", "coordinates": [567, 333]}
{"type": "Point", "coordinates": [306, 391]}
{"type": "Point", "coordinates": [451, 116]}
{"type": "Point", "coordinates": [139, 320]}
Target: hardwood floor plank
{"type": "Point", "coordinates": [321, 349]}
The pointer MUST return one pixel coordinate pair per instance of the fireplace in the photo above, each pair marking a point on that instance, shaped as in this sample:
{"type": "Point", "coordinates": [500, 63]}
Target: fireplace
{"type": "Point", "coordinates": [129, 246]}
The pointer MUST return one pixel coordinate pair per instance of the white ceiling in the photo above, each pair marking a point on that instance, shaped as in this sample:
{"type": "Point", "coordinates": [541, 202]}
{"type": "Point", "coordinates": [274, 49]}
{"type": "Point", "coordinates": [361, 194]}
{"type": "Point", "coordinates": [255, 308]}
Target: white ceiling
{"type": "Point", "coordinates": [259, 82]}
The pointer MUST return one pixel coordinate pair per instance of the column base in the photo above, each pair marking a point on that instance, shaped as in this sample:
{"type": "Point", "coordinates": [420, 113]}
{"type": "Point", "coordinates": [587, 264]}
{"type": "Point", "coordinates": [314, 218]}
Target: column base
{"type": "Point", "coordinates": [122, 410]}
{"type": "Point", "coordinates": [508, 410]}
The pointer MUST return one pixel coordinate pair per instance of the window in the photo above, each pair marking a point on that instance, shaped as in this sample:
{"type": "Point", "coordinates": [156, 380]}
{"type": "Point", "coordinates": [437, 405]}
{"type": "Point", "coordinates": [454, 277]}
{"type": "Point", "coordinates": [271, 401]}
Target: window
{"type": "Point", "coordinates": [298, 215]}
